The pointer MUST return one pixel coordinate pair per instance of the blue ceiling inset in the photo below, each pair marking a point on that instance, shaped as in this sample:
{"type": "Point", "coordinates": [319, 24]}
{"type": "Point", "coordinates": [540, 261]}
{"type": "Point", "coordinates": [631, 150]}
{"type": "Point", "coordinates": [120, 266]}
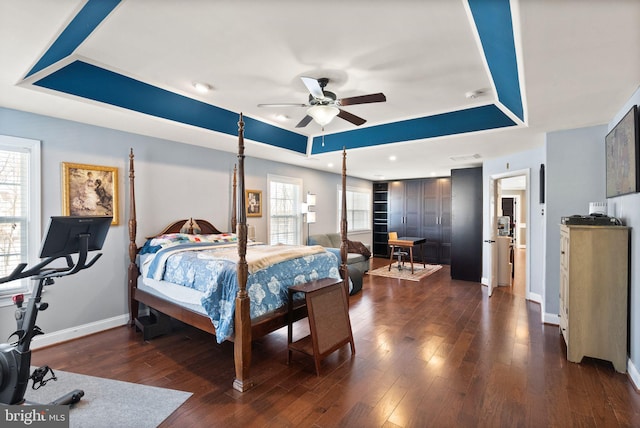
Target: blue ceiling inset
{"type": "Point", "coordinates": [95, 83]}
{"type": "Point", "coordinates": [91, 15]}
{"type": "Point", "coordinates": [456, 122]}
{"type": "Point", "coordinates": [492, 19]}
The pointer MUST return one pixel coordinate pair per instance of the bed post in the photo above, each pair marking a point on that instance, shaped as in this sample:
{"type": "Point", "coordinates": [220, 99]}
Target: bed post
{"type": "Point", "coordinates": [234, 199]}
{"type": "Point", "coordinates": [242, 340]}
{"type": "Point", "coordinates": [344, 247]}
{"type": "Point", "coordinates": [132, 274]}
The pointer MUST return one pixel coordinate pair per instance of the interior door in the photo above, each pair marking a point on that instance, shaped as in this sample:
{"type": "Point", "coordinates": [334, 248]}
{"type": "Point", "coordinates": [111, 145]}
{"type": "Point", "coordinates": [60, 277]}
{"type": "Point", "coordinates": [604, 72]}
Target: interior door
{"type": "Point", "coordinates": [493, 232]}
{"type": "Point", "coordinates": [431, 219]}
{"type": "Point", "coordinates": [396, 208]}
{"type": "Point", "coordinates": [444, 254]}
{"type": "Point", "coordinates": [412, 213]}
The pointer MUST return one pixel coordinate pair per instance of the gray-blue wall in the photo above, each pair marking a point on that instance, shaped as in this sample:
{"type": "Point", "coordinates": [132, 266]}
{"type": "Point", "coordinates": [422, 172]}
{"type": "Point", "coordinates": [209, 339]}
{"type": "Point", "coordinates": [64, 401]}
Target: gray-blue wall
{"type": "Point", "coordinates": [526, 162]}
{"type": "Point", "coordinates": [576, 176]}
{"type": "Point", "coordinates": [627, 208]}
{"type": "Point", "coordinates": [176, 180]}
{"type": "Point", "coordinates": [173, 181]}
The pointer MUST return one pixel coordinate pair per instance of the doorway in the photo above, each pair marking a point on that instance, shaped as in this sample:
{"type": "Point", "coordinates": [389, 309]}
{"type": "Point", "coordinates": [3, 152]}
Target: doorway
{"type": "Point", "coordinates": [511, 195]}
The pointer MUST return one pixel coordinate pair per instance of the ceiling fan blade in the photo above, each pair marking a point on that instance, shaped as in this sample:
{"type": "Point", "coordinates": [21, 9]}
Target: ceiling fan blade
{"type": "Point", "coordinates": [283, 105]}
{"type": "Point", "coordinates": [313, 86]}
{"type": "Point", "coordinates": [363, 99]}
{"type": "Point", "coordinates": [304, 122]}
{"type": "Point", "coordinates": [356, 120]}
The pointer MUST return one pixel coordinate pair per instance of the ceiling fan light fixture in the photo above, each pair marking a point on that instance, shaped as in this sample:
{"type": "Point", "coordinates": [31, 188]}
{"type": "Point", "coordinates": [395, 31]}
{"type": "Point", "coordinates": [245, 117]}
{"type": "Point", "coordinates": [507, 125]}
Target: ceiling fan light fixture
{"type": "Point", "coordinates": [323, 114]}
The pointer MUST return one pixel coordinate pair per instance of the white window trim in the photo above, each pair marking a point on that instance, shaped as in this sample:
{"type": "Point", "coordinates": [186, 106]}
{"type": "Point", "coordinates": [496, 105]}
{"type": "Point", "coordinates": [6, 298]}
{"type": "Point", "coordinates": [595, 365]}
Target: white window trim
{"type": "Point", "coordinates": [33, 217]}
{"type": "Point", "coordinates": [284, 179]}
{"type": "Point", "coordinates": [358, 190]}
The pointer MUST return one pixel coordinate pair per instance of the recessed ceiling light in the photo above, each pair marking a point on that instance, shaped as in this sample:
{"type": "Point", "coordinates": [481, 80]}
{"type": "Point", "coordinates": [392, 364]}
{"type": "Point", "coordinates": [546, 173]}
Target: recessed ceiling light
{"type": "Point", "coordinates": [392, 158]}
{"type": "Point", "coordinates": [201, 87]}
{"type": "Point", "coordinates": [330, 165]}
{"type": "Point", "coordinates": [474, 94]}
{"type": "Point", "coordinates": [282, 117]}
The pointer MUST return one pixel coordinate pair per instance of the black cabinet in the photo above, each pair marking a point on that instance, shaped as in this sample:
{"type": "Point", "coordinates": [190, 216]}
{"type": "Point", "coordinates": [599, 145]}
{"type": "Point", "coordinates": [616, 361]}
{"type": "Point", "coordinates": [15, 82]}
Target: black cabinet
{"type": "Point", "coordinates": [380, 219]}
{"type": "Point", "coordinates": [446, 211]}
{"type": "Point", "coordinates": [405, 207]}
{"type": "Point", "coordinates": [466, 256]}
{"type": "Point", "coordinates": [422, 208]}
{"type": "Point", "coordinates": [436, 219]}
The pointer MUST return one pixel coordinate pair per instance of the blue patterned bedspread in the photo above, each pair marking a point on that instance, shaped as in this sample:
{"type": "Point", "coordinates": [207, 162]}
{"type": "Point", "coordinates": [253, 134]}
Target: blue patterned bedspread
{"type": "Point", "coordinates": [199, 268]}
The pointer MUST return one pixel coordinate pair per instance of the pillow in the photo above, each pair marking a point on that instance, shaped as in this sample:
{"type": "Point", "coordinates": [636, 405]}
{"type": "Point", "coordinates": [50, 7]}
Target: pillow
{"type": "Point", "coordinates": [358, 247]}
{"type": "Point", "coordinates": [148, 248]}
{"type": "Point", "coordinates": [216, 238]}
{"type": "Point", "coordinates": [153, 245]}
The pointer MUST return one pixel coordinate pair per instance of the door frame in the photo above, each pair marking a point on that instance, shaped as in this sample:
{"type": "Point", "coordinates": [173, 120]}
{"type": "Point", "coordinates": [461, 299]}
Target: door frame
{"type": "Point", "coordinates": [493, 260]}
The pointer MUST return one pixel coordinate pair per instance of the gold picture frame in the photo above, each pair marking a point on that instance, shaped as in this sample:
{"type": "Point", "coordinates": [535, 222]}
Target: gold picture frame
{"type": "Point", "coordinates": [90, 190]}
{"type": "Point", "coordinates": [253, 202]}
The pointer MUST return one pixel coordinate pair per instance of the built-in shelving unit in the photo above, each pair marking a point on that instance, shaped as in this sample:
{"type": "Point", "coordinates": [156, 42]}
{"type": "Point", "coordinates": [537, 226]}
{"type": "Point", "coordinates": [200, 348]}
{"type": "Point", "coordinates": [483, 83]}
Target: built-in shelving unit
{"type": "Point", "coordinates": [380, 219]}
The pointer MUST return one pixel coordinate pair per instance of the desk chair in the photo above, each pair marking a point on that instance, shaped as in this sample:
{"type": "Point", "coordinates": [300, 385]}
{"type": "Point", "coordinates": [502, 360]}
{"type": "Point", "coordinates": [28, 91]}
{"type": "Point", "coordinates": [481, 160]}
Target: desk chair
{"type": "Point", "coordinates": [397, 252]}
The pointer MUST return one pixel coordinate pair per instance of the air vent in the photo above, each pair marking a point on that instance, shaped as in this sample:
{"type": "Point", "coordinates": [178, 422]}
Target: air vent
{"type": "Point", "coordinates": [465, 158]}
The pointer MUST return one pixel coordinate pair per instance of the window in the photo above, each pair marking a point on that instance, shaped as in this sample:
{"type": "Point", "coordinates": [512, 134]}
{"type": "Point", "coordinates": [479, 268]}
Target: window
{"type": "Point", "coordinates": [19, 209]}
{"type": "Point", "coordinates": [358, 209]}
{"type": "Point", "coordinates": [285, 221]}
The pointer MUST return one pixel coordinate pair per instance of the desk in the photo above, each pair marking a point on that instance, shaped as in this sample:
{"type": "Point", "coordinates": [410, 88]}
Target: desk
{"type": "Point", "coordinates": [407, 242]}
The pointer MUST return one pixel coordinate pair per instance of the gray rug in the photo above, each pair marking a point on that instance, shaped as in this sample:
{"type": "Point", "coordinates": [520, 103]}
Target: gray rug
{"type": "Point", "coordinates": [110, 403]}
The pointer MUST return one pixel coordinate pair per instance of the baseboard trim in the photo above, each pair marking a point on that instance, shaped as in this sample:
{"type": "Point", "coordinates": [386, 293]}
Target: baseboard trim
{"type": "Point", "coordinates": [484, 281]}
{"type": "Point", "coordinates": [535, 297]}
{"type": "Point", "coordinates": [65, 335]}
{"type": "Point", "coordinates": [632, 371]}
{"type": "Point", "coordinates": [551, 319]}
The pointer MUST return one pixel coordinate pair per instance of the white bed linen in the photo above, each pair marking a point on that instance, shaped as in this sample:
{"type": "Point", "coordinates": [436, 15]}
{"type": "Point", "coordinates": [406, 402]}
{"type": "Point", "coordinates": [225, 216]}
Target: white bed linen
{"type": "Point", "coordinates": [172, 291]}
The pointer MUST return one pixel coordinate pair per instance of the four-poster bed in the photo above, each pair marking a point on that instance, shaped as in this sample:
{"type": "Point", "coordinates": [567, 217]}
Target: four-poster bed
{"type": "Point", "coordinates": [244, 326]}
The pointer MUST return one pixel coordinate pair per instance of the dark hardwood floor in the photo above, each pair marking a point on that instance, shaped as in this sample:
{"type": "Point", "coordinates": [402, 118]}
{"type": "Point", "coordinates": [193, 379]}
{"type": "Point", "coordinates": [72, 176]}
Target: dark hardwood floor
{"type": "Point", "coordinates": [434, 353]}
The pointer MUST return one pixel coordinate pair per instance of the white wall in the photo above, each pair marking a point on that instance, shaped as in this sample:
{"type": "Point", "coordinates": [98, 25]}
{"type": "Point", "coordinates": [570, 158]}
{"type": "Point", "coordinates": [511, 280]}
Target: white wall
{"type": "Point", "coordinates": [173, 181]}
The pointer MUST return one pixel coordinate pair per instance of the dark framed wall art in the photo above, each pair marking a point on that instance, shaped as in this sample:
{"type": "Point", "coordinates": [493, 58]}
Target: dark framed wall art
{"type": "Point", "coordinates": [622, 151]}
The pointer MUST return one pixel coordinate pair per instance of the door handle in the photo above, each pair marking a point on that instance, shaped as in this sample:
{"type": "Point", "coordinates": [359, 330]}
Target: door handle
{"type": "Point", "coordinates": [489, 241]}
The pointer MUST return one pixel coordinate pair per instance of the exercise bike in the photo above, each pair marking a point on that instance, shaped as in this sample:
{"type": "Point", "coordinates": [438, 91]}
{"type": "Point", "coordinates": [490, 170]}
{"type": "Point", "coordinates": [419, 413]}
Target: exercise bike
{"type": "Point", "coordinates": [65, 236]}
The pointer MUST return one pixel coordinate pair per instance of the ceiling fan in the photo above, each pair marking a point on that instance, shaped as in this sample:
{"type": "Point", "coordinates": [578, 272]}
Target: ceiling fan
{"type": "Point", "coordinates": [323, 105]}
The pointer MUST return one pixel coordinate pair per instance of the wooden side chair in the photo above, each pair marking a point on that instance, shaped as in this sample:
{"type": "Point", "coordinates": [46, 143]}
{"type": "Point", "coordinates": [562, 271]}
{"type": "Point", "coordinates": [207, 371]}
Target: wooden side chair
{"type": "Point", "coordinates": [396, 252]}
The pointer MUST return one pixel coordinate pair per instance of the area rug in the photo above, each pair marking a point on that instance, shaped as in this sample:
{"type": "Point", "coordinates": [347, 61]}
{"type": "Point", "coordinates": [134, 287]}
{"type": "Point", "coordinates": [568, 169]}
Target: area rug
{"type": "Point", "coordinates": [419, 272]}
{"type": "Point", "coordinates": [110, 403]}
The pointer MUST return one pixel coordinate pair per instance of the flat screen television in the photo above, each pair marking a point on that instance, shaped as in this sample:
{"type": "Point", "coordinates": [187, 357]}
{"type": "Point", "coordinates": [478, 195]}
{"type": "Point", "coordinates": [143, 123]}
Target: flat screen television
{"type": "Point", "coordinates": [622, 155]}
{"type": "Point", "coordinates": [62, 237]}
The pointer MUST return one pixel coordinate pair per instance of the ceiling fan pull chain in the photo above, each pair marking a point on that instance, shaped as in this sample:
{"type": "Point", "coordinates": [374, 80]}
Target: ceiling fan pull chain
{"type": "Point", "coordinates": [323, 136]}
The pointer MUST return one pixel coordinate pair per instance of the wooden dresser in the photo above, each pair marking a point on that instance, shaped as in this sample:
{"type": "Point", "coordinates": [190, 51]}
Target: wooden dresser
{"type": "Point", "coordinates": [594, 282]}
